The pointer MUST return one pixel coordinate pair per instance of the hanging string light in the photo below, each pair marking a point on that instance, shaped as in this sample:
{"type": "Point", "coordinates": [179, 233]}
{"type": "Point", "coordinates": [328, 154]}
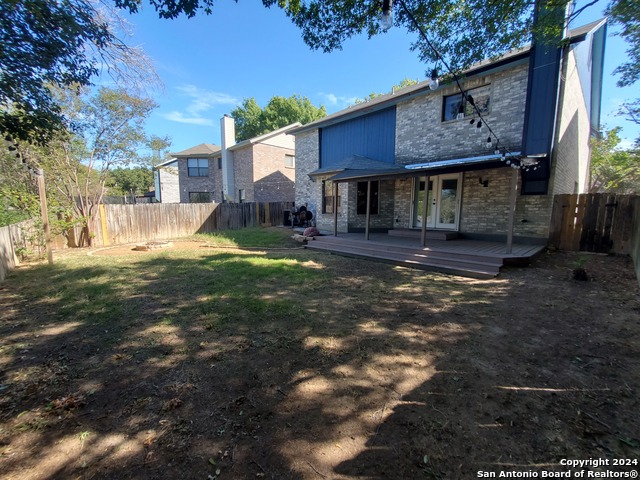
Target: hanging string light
{"type": "Point", "coordinates": [433, 83]}
{"type": "Point", "coordinates": [386, 21]}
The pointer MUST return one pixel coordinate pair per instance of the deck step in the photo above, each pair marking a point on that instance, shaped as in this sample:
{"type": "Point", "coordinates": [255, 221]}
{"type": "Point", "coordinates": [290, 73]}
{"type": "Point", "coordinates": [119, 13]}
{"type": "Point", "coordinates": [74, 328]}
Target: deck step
{"type": "Point", "coordinates": [430, 234]}
{"type": "Point", "coordinates": [419, 252]}
{"type": "Point", "coordinates": [420, 259]}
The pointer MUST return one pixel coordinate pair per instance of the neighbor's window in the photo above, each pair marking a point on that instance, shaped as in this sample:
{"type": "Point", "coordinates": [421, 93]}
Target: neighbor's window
{"type": "Point", "coordinates": [289, 161]}
{"type": "Point", "coordinates": [198, 167]}
{"type": "Point", "coordinates": [362, 198]}
{"type": "Point", "coordinates": [242, 197]}
{"type": "Point", "coordinates": [452, 103]}
{"type": "Point", "coordinates": [199, 197]}
{"type": "Point", "coordinates": [219, 163]}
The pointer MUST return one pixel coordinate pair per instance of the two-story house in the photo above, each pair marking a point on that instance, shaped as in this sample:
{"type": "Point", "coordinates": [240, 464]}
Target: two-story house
{"type": "Point", "coordinates": [423, 159]}
{"type": "Point", "coordinates": [261, 169]}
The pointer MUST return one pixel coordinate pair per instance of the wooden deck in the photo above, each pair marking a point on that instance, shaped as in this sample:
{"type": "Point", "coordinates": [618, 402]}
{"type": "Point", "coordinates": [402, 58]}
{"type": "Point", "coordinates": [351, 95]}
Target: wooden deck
{"type": "Point", "coordinates": [472, 258]}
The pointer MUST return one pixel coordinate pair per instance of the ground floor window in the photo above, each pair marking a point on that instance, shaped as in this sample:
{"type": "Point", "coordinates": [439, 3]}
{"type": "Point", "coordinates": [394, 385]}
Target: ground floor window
{"type": "Point", "coordinates": [327, 197]}
{"type": "Point", "coordinates": [199, 197]}
{"type": "Point", "coordinates": [362, 198]}
{"type": "Point", "coordinates": [242, 196]}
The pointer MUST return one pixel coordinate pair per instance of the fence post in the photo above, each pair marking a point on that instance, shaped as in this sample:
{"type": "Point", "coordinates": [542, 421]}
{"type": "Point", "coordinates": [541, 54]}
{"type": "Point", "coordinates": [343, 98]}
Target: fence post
{"type": "Point", "coordinates": [42, 193]}
{"type": "Point", "coordinates": [103, 224]}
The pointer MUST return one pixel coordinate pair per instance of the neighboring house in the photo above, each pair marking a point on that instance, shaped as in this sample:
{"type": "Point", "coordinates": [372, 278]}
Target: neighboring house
{"type": "Point", "coordinates": [261, 169]}
{"type": "Point", "coordinates": [397, 149]}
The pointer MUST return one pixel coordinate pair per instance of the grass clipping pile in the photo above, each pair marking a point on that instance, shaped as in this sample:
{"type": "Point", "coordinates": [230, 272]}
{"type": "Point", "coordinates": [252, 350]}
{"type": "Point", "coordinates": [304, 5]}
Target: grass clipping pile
{"type": "Point", "coordinates": [197, 363]}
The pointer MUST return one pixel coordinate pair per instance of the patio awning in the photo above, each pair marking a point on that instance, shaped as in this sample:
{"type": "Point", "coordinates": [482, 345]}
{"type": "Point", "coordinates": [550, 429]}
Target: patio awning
{"type": "Point", "coordinates": [416, 169]}
{"type": "Point", "coordinates": [359, 165]}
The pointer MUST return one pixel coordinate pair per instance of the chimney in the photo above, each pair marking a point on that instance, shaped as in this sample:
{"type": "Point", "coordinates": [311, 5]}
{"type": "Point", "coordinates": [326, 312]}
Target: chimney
{"type": "Point", "coordinates": [228, 136]}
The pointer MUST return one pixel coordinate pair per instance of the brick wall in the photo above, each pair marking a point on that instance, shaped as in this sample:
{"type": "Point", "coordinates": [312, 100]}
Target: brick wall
{"type": "Point", "coordinates": [384, 218]}
{"type": "Point", "coordinates": [273, 182]}
{"type": "Point", "coordinates": [169, 184]}
{"type": "Point", "coordinates": [421, 136]}
{"type": "Point", "coordinates": [307, 160]}
{"type": "Point", "coordinates": [485, 210]}
{"type": "Point", "coordinates": [199, 184]}
{"type": "Point", "coordinates": [570, 163]}
{"type": "Point", "coordinates": [243, 172]}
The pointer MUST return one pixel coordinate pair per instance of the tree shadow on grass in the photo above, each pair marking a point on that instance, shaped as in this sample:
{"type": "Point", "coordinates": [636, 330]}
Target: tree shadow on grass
{"type": "Point", "coordinates": [283, 365]}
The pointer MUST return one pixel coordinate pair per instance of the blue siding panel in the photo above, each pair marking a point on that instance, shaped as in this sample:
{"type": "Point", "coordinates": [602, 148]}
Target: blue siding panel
{"type": "Point", "coordinates": [372, 136]}
{"type": "Point", "coordinates": [542, 97]}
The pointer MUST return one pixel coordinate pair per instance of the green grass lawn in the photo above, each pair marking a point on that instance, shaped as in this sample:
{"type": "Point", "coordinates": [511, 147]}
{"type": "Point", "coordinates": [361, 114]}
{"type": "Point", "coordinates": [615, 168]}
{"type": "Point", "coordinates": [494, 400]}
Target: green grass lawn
{"type": "Point", "coordinates": [241, 355]}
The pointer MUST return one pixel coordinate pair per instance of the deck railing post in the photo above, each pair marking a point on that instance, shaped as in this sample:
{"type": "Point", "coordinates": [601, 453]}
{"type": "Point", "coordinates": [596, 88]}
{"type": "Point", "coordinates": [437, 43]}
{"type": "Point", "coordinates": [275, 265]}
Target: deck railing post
{"type": "Point", "coordinates": [368, 217]}
{"type": "Point", "coordinates": [512, 209]}
{"type": "Point", "coordinates": [335, 209]}
{"type": "Point", "coordinates": [425, 209]}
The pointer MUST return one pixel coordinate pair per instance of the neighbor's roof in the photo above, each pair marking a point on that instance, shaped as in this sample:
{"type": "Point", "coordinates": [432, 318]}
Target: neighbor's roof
{"type": "Point", "coordinates": [481, 68]}
{"type": "Point", "coordinates": [202, 150]}
{"type": "Point", "coordinates": [265, 136]}
{"type": "Point", "coordinates": [166, 162]}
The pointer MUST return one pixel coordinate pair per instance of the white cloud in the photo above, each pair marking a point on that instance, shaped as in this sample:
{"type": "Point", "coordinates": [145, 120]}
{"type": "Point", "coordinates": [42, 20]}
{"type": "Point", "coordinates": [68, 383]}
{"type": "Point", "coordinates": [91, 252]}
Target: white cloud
{"type": "Point", "coordinates": [179, 117]}
{"type": "Point", "coordinates": [199, 102]}
{"type": "Point", "coordinates": [336, 100]}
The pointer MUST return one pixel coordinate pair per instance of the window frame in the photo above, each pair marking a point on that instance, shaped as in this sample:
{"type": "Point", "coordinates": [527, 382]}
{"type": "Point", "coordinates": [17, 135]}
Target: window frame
{"type": "Point", "coordinates": [482, 99]}
{"type": "Point", "coordinates": [208, 196]}
{"type": "Point", "coordinates": [293, 161]}
{"type": "Point", "coordinates": [198, 170]}
{"type": "Point", "coordinates": [327, 200]}
{"type": "Point", "coordinates": [361, 197]}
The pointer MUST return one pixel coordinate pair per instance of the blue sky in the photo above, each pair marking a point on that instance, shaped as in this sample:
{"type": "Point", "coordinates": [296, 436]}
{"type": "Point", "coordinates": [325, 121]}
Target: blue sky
{"type": "Point", "coordinates": [208, 64]}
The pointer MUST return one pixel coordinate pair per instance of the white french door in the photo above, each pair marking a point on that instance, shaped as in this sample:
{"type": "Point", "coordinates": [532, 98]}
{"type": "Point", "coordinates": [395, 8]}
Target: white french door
{"type": "Point", "coordinates": [443, 201]}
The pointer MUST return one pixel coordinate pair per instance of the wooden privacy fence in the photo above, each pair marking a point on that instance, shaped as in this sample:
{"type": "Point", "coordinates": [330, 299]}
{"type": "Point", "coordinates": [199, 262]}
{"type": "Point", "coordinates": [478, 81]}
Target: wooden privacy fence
{"type": "Point", "coordinates": [120, 224]}
{"type": "Point", "coordinates": [597, 222]}
{"type": "Point", "coordinates": [13, 239]}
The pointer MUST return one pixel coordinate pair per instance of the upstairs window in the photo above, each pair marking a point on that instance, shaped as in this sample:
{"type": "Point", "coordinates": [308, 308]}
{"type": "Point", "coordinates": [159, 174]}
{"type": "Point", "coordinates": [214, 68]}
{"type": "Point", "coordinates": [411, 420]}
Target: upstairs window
{"type": "Point", "coordinates": [289, 161]}
{"type": "Point", "coordinates": [452, 105]}
{"type": "Point", "coordinates": [198, 167]}
{"type": "Point", "coordinates": [219, 163]}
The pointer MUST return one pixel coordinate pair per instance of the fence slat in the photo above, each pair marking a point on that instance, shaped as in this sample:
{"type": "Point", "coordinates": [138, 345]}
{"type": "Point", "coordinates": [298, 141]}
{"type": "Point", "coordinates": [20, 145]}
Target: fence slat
{"type": "Point", "coordinates": [593, 222]}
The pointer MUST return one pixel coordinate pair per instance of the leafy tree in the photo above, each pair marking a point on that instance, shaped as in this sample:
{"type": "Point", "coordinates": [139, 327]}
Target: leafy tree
{"type": "Point", "coordinates": [252, 120]}
{"type": "Point", "coordinates": [18, 192]}
{"type": "Point", "coordinates": [61, 43]}
{"type": "Point", "coordinates": [124, 181]}
{"type": "Point", "coordinates": [626, 14]}
{"type": "Point", "coordinates": [631, 110]}
{"type": "Point", "coordinates": [464, 32]}
{"type": "Point", "coordinates": [108, 134]}
{"type": "Point", "coordinates": [406, 82]}
{"type": "Point", "coordinates": [159, 147]}
{"type": "Point", "coordinates": [613, 170]}
{"type": "Point", "coordinates": [461, 32]}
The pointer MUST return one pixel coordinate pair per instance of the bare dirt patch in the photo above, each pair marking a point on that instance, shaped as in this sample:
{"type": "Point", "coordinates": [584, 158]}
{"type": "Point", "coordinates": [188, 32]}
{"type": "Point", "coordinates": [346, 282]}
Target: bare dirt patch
{"type": "Point", "coordinates": [203, 363]}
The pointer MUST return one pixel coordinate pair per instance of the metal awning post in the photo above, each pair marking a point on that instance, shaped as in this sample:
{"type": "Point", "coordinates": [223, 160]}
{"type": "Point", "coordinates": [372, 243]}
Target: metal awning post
{"type": "Point", "coordinates": [335, 209]}
{"type": "Point", "coordinates": [512, 209]}
{"type": "Point", "coordinates": [425, 209]}
{"type": "Point", "coordinates": [366, 230]}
